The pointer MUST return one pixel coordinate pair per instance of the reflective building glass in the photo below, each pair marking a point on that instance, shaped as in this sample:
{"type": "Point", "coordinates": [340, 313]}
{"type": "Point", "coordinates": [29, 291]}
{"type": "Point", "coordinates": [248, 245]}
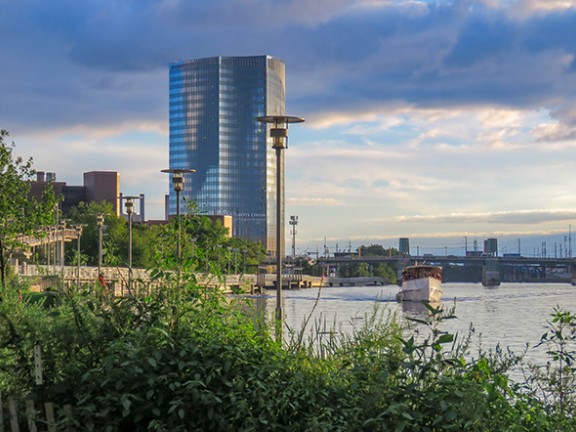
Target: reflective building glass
{"type": "Point", "coordinates": [214, 103]}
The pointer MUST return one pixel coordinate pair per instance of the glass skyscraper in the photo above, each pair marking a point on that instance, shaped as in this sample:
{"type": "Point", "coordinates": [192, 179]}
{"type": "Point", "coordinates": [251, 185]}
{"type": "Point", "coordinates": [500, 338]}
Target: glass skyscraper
{"type": "Point", "coordinates": [214, 103]}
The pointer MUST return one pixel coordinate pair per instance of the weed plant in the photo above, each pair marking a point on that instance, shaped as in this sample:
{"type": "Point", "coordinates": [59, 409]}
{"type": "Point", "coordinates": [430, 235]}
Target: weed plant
{"type": "Point", "coordinates": [189, 359]}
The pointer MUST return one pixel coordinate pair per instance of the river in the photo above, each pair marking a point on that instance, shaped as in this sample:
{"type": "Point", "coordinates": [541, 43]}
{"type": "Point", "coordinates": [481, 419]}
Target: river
{"type": "Point", "coordinates": [511, 315]}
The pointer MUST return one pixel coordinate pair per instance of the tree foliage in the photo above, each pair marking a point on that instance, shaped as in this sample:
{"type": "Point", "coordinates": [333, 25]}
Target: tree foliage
{"type": "Point", "coordinates": [376, 250]}
{"type": "Point", "coordinates": [20, 214]}
{"type": "Point", "coordinates": [205, 244]}
{"type": "Point", "coordinates": [385, 271]}
{"type": "Point", "coordinates": [114, 235]}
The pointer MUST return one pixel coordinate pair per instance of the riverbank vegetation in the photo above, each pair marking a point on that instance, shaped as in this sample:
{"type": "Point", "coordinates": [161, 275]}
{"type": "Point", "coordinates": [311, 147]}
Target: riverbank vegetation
{"type": "Point", "coordinates": [200, 235]}
{"type": "Point", "coordinates": [190, 359]}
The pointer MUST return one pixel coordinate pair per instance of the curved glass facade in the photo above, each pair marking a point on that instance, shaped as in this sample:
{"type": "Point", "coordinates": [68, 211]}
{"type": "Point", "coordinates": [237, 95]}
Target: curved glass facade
{"type": "Point", "coordinates": [214, 103]}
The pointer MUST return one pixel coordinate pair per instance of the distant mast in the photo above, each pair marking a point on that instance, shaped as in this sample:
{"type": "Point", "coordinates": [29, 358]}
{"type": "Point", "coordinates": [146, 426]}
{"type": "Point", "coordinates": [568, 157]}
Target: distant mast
{"type": "Point", "coordinates": [570, 241]}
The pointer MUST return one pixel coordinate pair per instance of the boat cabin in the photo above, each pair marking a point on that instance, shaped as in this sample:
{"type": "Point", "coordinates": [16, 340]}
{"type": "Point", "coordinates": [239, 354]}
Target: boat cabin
{"type": "Point", "coordinates": [421, 272]}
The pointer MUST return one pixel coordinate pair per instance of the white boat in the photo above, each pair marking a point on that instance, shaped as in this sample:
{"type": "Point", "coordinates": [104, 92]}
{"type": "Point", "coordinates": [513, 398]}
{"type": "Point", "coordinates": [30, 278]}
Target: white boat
{"type": "Point", "coordinates": [421, 283]}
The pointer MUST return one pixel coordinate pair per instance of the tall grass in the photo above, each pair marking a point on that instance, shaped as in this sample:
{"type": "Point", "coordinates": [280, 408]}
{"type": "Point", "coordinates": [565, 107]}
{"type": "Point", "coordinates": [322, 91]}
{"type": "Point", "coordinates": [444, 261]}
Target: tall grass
{"type": "Point", "coordinates": [188, 359]}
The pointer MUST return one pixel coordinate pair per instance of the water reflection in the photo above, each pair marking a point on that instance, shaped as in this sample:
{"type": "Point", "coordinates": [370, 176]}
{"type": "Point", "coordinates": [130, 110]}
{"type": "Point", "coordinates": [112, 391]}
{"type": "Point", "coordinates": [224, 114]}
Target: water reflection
{"type": "Point", "coordinates": [419, 309]}
{"type": "Point", "coordinates": [511, 315]}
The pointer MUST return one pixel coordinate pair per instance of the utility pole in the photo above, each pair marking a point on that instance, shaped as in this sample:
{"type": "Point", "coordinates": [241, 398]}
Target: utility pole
{"type": "Point", "coordinates": [293, 222]}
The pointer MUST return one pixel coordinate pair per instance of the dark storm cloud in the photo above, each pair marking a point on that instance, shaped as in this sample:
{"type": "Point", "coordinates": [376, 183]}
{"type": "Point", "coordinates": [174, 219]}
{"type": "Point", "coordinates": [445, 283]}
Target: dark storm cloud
{"type": "Point", "coordinates": [463, 56]}
{"type": "Point", "coordinates": [554, 31]}
{"type": "Point", "coordinates": [71, 62]}
{"type": "Point", "coordinates": [481, 39]}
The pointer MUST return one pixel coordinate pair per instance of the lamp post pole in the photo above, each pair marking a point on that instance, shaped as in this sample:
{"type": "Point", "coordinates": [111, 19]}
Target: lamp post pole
{"type": "Point", "coordinates": [129, 206]}
{"type": "Point", "coordinates": [293, 222]}
{"type": "Point", "coordinates": [100, 224]}
{"type": "Point", "coordinates": [62, 245]}
{"type": "Point", "coordinates": [279, 135]}
{"type": "Point", "coordinates": [178, 184]}
{"type": "Point", "coordinates": [79, 232]}
{"type": "Point", "coordinates": [130, 211]}
{"type": "Point", "coordinates": [229, 260]}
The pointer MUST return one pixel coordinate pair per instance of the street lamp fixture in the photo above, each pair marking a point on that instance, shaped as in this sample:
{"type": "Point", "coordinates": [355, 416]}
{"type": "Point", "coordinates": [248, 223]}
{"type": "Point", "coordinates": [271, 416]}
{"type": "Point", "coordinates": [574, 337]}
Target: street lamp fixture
{"type": "Point", "coordinates": [178, 184]}
{"type": "Point", "coordinates": [279, 135]}
{"type": "Point", "coordinates": [129, 207]}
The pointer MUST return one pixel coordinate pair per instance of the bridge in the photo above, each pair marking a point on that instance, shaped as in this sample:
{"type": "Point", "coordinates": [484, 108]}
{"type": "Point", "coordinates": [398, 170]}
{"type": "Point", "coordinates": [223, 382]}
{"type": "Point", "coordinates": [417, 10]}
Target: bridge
{"type": "Point", "coordinates": [53, 237]}
{"type": "Point", "coordinates": [507, 268]}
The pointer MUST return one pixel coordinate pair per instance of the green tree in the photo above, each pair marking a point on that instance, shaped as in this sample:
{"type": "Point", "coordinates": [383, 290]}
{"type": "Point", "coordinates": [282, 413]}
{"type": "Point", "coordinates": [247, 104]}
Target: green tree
{"type": "Point", "coordinates": [385, 271]}
{"type": "Point", "coordinates": [20, 214]}
{"type": "Point", "coordinates": [354, 270]}
{"type": "Point", "coordinates": [115, 238]}
{"type": "Point", "coordinates": [376, 250]}
{"type": "Point", "coordinates": [244, 255]}
{"type": "Point", "coordinates": [213, 249]}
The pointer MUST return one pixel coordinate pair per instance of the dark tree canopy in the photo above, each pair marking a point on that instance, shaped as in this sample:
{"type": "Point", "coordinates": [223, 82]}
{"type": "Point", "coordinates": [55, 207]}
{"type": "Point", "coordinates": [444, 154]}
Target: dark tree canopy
{"type": "Point", "coordinates": [19, 213]}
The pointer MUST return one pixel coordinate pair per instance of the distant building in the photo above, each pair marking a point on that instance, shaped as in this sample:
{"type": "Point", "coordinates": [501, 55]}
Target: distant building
{"type": "Point", "coordinates": [491, 247]}
{"type": "Point", "coordinates": [404, 246]}
{"type": "Point", "coordinates": [98, 186]}
{"type": "Point", "coordinates": [226, 221]}
{"type": "Point", "coordinates": [214, 103]}
{"type": "Point", "coordinates": [103, 186]}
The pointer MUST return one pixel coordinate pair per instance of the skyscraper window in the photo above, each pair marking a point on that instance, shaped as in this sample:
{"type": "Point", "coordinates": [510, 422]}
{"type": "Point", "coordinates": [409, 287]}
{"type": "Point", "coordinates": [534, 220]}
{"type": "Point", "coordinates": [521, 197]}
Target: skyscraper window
{"type": "Point", "coordinates": [214, 103]}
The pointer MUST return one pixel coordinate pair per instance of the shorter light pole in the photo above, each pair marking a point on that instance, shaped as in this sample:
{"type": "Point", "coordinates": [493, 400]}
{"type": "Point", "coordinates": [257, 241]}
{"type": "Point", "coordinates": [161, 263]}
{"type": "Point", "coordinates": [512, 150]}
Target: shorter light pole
{"type": "Point", "coordinates": [100, 225]}
{"type": "Point", "coordinates": [229, 259]}
{"type": "Point", "coordinates": [79, 233]}
{"type": "Point", "coordinates": [129, 205]}
{"type": "Point", "coordinates": [62, 246]}
{"type": "Point", "coordinates": [293, 222]}
{"type": "Point", "coordinates": [178, 184]}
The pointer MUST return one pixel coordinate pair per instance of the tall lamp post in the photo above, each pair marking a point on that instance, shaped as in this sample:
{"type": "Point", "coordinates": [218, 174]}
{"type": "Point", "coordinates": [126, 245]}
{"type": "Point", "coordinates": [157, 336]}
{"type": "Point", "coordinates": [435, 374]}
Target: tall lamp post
{"type": "Point", "coordinates": [178, 184]}
{"type": "Point", "coordinates": [62, 225]}
{"type": "Point", "coordinates": [100, 225]}
{"type": "Point", "coordinates": [129, 206]}
{"type": "Point", "coordinates": [293, 222]}
{"type": "Point", "coordinates": [279, 135]}
{"type": "Point", "coordinates": [79, 233]}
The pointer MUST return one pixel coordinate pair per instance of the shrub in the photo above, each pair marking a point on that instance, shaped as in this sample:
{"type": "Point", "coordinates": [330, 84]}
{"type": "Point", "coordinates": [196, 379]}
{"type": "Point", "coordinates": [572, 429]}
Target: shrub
{"type": "Point", "coordinates": [192, 360]}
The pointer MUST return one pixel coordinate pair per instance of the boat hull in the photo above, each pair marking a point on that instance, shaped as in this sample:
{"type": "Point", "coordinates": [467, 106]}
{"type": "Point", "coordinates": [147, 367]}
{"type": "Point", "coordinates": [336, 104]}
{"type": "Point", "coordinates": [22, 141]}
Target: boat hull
{"type": "Point", "coordinates": [423, 289]}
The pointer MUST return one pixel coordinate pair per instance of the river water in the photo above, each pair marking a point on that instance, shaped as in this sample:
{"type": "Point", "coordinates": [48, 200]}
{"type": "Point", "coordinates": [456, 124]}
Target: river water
{"type": "Point", "coordinates": [511, 315]}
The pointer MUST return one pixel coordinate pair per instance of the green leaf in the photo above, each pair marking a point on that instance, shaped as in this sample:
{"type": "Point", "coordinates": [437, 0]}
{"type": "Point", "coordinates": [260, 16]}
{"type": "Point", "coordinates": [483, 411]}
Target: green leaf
{"type": "Point", "coordinates": [445, 338]}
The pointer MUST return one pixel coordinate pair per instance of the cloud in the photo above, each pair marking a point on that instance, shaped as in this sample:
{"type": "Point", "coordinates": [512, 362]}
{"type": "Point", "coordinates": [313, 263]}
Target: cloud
{"type": "Point", "coordinates": [552, 132]}
{"type": "Point", "coordinates": [314, 201]}
{"type": "Point", "coordinates": [413, 107]}
{"type": "Point", "coordinates": [522, 217]}
{"type": "Point", "coordinates": [481, 39]}
{"type": "Point", "coordinates": [349, 57]}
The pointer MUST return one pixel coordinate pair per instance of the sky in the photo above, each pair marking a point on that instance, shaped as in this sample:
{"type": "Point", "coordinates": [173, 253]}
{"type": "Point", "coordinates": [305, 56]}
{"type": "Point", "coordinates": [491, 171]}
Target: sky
{"type": "Point", "coordinates": [446, 122]}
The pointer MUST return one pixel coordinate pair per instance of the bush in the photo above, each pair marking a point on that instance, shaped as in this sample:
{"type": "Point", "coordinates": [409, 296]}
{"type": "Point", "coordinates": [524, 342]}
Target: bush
{"type": "Point", "coordinates": [191, 360]}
